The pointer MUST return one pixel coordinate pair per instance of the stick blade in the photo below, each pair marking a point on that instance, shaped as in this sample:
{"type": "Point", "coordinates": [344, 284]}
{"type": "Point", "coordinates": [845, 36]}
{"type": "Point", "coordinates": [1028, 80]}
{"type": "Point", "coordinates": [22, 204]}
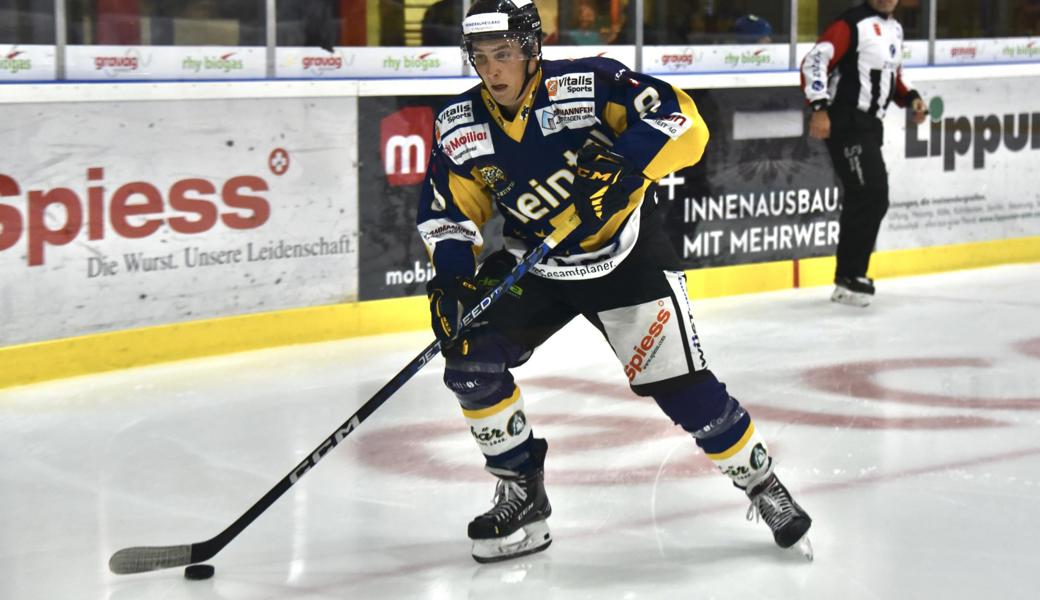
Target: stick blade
{"type": "Point", "coordinates": [149, 558]}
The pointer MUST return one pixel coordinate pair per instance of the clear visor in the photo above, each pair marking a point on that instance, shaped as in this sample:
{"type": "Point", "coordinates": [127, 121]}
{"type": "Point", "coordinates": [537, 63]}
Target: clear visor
{"type": "Point", "coordinates": [499, 47]}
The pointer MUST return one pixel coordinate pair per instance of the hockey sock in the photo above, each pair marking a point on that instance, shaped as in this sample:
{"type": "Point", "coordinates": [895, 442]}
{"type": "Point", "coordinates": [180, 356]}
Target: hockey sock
{"type": "Point", "coordinates": [502, 433]}
{"type": "Point", "coordinates": [747, 460]}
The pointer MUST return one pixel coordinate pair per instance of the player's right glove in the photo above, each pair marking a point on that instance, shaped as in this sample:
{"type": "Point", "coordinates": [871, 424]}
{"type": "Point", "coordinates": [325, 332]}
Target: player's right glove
{"type": "Point", "coordinates": [597, 187]}
{"type": "Point", "coordinates": [449, 297]}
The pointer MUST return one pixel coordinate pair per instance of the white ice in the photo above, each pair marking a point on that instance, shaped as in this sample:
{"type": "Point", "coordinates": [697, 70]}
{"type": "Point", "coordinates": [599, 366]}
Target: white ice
{"type": "Point", "coordinates": [910, 430]}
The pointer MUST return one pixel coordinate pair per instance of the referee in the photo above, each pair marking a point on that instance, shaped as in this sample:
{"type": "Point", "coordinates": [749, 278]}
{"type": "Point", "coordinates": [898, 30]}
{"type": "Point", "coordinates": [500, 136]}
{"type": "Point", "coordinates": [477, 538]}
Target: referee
{"type": "Point", "coordinates": [849, 78]}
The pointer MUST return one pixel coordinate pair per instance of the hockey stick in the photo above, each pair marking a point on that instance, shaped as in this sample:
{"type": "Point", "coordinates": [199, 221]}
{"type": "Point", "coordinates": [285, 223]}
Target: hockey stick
{"type": "Point", "coordinates": [139, 559]}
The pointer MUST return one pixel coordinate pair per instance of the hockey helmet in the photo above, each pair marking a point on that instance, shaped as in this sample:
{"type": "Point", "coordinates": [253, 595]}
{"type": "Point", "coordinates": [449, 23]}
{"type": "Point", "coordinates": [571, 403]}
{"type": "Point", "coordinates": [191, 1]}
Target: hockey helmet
{"type": "Point", "coordinates": [516, 20]}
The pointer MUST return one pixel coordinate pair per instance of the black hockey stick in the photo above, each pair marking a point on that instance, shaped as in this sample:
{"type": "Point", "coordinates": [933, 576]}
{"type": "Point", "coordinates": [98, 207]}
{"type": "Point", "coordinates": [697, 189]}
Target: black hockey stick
{"type": "Point", "coordinates": [139, 559]}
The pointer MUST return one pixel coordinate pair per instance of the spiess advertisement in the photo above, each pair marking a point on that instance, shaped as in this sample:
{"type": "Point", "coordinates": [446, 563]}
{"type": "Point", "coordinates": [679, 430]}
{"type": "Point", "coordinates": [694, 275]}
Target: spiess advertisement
{"type": "Point", "coordinates": [762, 192]}
{"type": "Point", "coordinates": [123, 215]}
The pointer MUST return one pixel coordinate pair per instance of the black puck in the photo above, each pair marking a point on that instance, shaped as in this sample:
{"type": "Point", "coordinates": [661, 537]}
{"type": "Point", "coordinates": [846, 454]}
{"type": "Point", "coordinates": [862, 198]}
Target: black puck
{"type": "Point", "coordinates": [199, 571]}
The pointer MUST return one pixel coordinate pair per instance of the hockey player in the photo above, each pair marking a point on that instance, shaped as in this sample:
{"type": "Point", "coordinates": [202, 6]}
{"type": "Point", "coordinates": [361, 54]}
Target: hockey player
{"type": "Point", "coordinates": [849, 78]}
{"type": "Point", "coordinates": [534, 139]}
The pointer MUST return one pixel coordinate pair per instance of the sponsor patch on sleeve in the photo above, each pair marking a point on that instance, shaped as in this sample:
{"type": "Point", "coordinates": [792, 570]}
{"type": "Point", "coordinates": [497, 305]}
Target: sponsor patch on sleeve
{"type": "Point", "coordinates": [465, 143]}
{"type": "Point", "coordinates": [673, 125]}
{"type": "Point", "coordinates": [439, 230]}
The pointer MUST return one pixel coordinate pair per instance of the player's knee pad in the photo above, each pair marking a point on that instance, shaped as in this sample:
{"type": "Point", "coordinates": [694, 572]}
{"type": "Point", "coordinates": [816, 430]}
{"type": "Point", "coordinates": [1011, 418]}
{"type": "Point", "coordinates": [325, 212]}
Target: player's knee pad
{"type": "Point", "coordinates": [479, 374]}
{"type": "Point", "coordinates": [706, 410]}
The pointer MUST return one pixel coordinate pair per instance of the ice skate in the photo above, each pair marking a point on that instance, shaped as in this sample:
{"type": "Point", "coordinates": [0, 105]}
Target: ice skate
{"type": "Point", "coordinates": [853, 292]}
{"type": "Point", "coordinates": [515, 525]}
{"type": "Point", "coordinates": [771, 502]}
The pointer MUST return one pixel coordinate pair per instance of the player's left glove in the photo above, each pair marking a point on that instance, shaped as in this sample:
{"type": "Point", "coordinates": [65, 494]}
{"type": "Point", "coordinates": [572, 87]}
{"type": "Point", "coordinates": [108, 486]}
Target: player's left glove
{"type": "Point", "coordinates": [598, 193]}
{"type": "Point", "coordinates": [449, 298]}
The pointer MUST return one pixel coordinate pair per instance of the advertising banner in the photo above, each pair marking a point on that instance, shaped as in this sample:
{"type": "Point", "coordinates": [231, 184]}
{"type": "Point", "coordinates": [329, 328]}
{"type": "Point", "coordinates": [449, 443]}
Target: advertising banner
{"type": "Point", "coordinates": [120, 63]}
{"type": "Point", "coordinates": [120, 215]}
{"type": "Point", "coordinates": [718, 58]}
{"type": "Point", "coordinates": [987, 51]}
{"type": "Point", "coordinates": [26, 62]}
{"type": "Point", "coordinates": [308, 63]}
{"type": "Point", "coordinates": [968, 173]}
{"type": "Point", "coordinates": [762, 191]}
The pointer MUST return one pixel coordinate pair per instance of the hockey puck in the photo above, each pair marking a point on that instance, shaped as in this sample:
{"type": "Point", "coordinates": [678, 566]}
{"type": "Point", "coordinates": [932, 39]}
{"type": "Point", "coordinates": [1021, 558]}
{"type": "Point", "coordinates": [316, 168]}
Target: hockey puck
{"type": "Point", "coordinates": [198, 571]}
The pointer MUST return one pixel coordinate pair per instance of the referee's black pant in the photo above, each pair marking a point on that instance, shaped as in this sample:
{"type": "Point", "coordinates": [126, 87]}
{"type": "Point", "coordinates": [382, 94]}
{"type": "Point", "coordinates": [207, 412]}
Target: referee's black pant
{"type": "Point", "coordinates": [855, 149]}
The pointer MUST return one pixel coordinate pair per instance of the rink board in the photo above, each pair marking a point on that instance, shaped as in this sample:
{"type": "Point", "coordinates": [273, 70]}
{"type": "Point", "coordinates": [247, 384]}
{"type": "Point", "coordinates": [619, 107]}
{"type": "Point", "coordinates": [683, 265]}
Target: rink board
{"type": "Point", "coordinates": [959, 200]}
{"type": "Point", "coordinates": [31, 363]}
{"type": "Point", "coordinates": [133, 214]}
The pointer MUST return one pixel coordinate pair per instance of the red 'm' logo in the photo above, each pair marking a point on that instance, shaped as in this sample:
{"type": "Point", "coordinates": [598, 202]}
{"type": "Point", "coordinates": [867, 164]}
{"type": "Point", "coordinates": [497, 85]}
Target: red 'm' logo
{"type": "Point", "coordinates": [405, 139]}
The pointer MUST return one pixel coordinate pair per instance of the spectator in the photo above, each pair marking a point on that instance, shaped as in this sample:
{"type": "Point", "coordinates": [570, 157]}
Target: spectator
{"type": "Point", "coordinates": [752, 29]}
{"type": "Point", "coordinates": [440, 24]}
{"type": "Point", "coordinates": [584, 31]}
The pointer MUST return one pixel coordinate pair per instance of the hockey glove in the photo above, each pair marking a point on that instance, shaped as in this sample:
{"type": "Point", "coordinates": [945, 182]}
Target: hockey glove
{"type": "Point", "coordinates": [597, 187]}
{"type": "Point", "coordinates": [449, 297]}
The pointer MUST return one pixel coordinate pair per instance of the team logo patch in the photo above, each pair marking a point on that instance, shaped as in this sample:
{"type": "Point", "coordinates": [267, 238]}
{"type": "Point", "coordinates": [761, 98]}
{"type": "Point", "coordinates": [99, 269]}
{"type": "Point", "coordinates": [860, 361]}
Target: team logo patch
{"type": "Point", "coordinates": [453, 116]}
{"type": "Point", "coordinates": [465, 143]}
{"type": "Point", "coordinates": [877, 29]}
{"type": "Point", "coordinates": [759, 456]}
{"type": "Point", "coordinates": [817, 86]}
{"type": "Point", "coordinates": [572, 115]}
{"type": "Point", "coordinates": [892, 50]}
{"type": "Point", "coordinates": [491, 175]}
{"type": "Point", "coordinates": [496, 180]}
{"type": "Point", "coordinates": [572, 85]}
{"type": "Point", "coordinates": [516, 423]}
{"type": "Point", "coordinates": [673, 125]}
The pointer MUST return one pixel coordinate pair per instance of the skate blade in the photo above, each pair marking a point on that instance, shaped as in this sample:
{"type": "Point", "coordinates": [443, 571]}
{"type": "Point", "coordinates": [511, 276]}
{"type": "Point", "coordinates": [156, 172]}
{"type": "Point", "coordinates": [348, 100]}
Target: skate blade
{"type": "Point", "coordinates": [850, 298]}
{"type": "Point", "coordinates": [529, 539]}
{"type": "Point", "coordinates": [803, 547]}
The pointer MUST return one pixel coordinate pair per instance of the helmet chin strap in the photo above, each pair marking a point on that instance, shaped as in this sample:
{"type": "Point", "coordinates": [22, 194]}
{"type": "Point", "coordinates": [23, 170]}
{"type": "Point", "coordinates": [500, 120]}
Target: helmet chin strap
{"type": "Point", "coordinates": [528, 75]}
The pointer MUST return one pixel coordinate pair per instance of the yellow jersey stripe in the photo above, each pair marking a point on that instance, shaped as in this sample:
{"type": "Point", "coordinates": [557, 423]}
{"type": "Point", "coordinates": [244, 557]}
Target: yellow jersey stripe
{"type": "Point", "coordinates": [616, 117]}
{"type": "Point", "coordinates": [470, 198]}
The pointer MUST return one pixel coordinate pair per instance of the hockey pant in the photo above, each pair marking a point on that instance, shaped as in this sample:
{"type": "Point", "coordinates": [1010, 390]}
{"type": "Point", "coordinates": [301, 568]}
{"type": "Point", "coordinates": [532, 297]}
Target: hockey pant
{"type": "Point", "coordinates": [643, 311]}
{"type": "Point", "coordinates": [855, 150]}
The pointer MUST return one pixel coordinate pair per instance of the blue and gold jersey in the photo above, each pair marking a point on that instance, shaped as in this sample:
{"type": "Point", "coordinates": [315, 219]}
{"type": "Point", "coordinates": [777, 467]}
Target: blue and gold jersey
{"type": "Point", "coordinates": [524, 167]}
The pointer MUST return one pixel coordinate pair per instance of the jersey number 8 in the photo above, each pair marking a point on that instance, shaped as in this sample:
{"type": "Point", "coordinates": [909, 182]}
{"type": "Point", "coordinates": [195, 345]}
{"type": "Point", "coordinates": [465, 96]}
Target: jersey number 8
{"type": "Point", "coordinates": [647, 101]}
